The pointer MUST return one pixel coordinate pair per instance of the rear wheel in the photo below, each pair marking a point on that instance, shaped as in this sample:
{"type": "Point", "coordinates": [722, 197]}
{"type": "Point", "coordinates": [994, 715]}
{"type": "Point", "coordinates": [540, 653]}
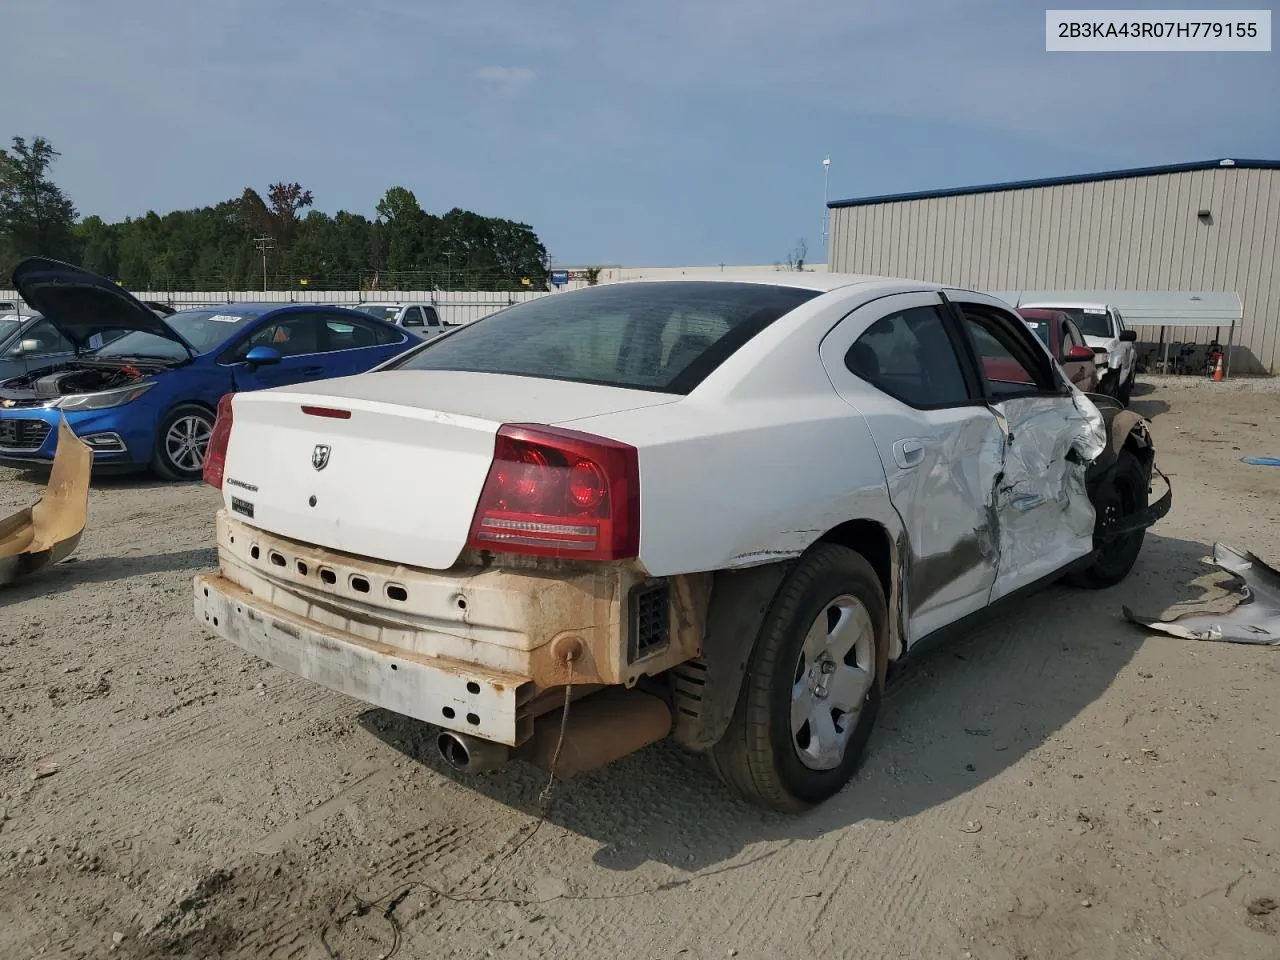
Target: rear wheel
{"type": "Point", "coordinates": [182, 442]}
{"type": "Point", "coordinates": [810, 697]}
{"type": "Point", "coordinates": [1126, 493]}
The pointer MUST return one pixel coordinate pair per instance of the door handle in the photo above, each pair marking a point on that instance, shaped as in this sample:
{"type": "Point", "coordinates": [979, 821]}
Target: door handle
{"type": "Point", "coordinates": [312, 371]}
{"type": "Point", "coordinates": [908, 453]}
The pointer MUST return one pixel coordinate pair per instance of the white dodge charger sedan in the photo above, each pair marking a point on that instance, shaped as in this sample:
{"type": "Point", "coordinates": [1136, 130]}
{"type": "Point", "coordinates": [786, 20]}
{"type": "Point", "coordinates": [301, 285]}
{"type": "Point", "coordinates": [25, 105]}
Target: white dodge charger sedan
{"type": "Point", "coordinates": [715, 510]}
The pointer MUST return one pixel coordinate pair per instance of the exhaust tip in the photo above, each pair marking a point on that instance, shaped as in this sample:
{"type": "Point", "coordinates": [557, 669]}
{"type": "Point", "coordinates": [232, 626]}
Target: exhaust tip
{"type": "Point", "coordinates": [453, 751]}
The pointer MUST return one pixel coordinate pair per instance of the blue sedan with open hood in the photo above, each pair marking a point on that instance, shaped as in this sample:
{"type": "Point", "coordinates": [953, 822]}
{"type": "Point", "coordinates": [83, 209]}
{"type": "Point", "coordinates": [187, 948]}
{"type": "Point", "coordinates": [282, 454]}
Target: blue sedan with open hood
{"type": "Point", "coordinates": [147, 398]}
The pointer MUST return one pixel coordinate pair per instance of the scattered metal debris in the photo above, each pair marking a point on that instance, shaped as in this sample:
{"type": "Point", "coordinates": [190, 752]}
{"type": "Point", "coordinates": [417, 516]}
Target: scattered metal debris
{"type": "Point", "coordinates": [1254, 620]}
{"type": "Point", "coordinates": [50, 530]}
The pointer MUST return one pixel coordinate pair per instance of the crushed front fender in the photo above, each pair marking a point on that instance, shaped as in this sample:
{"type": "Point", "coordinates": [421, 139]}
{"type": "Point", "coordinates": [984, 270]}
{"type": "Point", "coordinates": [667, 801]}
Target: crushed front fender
{"type": "Point", "coordinates": [50, 530]}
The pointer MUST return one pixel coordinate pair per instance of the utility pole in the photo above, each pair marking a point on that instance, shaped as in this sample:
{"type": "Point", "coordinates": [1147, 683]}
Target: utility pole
{"type": "Point", "coordinates": [826, 191]}
{"type": "Point", "coordinates": [448, 271]}
{"type": "Point", "coordinates": [264, 244]}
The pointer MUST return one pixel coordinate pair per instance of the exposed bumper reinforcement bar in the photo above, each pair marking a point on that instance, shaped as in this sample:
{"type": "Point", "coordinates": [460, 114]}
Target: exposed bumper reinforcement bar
{"type": "Point", "coordinates": [447, 694]}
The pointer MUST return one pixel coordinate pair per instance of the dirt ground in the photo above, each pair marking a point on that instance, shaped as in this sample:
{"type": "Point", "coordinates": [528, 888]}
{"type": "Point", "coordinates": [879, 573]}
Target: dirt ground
{"type": "Point", "coordinates": [1056, 783]}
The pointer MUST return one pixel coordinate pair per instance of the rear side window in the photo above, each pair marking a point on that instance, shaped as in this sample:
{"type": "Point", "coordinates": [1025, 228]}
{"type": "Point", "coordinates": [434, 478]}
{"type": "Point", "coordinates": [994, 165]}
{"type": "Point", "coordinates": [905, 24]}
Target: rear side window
{"type": "Point", "coordinates": [351, 334]}
{"type": "Point", "coordinates": [910, 356]}
{"type": "Point", "coordinates": [666, 337]}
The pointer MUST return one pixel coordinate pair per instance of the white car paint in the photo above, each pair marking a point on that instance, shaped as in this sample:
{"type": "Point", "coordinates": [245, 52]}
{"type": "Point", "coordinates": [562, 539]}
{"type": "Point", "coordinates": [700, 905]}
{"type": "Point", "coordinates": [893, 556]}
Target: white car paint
{"type": "Point", "coordinates": [772, 450]}
{"type": "Point", "coordinates": [353, 549]}
{"type": "Point", "coordinates": [1119, 357]}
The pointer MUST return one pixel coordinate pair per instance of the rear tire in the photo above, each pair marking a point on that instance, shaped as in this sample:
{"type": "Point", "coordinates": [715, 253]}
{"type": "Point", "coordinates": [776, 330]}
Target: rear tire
{"type": "Point", "coordinates": [811, 693]}
{"type": "Point", "coordinates": [182, 440]}
{"type": "Point", "coordinates": [1128, 491]}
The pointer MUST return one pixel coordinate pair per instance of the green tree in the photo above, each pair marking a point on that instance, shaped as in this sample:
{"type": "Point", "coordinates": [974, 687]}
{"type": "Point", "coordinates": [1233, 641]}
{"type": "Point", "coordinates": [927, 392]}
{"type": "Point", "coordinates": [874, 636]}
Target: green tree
{"type": "Point", "coordinates": [36, 217]}
{"type": "Point", "coordinates": [212, 249]}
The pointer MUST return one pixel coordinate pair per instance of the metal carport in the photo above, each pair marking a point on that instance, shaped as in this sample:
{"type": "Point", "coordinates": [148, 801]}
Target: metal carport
{"type": "Point", "coordinates": [1200, 310]}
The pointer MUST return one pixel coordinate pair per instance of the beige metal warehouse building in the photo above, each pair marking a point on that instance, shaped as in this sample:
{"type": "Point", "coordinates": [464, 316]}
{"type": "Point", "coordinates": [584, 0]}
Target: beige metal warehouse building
{"type": "Point", "coordinates": [1211, 226]}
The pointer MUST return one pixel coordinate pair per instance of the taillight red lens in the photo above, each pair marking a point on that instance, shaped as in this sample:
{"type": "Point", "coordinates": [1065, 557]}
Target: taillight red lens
{"type": "Point", "coordinates": [560, 493]}
{"type": "Point", "coordinates": [215, 457]}
{"type": "Point", "coordinates": [587, 485]}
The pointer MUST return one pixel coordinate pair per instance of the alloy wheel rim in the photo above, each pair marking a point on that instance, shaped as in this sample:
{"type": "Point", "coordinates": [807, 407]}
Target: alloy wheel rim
{"type": "Point", "coordinates": [187, 441]}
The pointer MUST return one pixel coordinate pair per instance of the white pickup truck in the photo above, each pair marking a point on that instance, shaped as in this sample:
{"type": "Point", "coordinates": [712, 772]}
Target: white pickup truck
{"type": "Point", "coordinates": [422, 318]}
{"type": "Point", "coordinates": [715, 510]}
{"type": "Point", "coordinates": [1112, 342]}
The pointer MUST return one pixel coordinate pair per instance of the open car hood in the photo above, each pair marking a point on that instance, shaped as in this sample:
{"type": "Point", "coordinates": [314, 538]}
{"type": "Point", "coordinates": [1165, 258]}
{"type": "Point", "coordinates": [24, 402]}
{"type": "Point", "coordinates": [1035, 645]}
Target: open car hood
{"type": "Point", "coordinates": [81, 304]}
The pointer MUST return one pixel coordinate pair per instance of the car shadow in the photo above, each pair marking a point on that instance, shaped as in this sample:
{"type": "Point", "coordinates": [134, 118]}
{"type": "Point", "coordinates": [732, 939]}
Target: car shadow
{"type": "Point", "coordinates": [73, 572]}
{"type": "Point", "coordinates": [1148, 408]}
{"type": "Point", "coordinates": [955, 716]}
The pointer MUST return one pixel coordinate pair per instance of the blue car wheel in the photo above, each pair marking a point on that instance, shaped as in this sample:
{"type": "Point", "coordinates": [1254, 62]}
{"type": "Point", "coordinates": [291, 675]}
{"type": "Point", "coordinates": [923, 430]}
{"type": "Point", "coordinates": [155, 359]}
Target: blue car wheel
{"type": "Point", "coordinates": [182, 441]}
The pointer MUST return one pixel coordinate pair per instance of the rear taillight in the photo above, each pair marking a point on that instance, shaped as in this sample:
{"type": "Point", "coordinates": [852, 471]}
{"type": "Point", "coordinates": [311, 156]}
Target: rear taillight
{"type": "Point", "coordinates": [559, 493]}
{"type": "Point", "coordinates": [215, 457]}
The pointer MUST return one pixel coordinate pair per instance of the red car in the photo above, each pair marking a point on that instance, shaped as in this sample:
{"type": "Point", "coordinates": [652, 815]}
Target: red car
{"type": "Point", "coordinates": [1066, 343]}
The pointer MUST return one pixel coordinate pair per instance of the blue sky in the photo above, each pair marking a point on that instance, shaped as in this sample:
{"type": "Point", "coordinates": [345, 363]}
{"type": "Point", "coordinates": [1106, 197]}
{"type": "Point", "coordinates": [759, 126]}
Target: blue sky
{"type": "Point", "coordinates": [664, 132]}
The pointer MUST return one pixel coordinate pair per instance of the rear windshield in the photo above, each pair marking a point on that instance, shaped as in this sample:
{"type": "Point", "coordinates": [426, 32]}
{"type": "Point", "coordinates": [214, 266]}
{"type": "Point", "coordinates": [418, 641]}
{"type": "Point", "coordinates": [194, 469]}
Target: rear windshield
{"type": "Point", "coordinates": [1039, 327]}
{"type": "Point", "coordinates": [666, 337]}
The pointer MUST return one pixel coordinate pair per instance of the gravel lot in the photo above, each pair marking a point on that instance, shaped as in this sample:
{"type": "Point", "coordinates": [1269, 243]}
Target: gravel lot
{"type": "Point", "coordinates": [1056, 783]}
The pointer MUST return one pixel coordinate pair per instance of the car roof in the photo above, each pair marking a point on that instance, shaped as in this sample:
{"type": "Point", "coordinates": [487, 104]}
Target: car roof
{"type": "Point", "coordinates": [260, 309]}
{"type": "Point", "coordinates": [1041, 313]}
{"type": "Point", "coordinates": [1067, 305]}
{"type": "Point", "coordinates": [800, 279]}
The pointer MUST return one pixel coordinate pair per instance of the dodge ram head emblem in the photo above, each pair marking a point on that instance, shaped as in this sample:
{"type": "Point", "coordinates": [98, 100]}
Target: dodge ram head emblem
{"type": "Point", "coordinates": [320, 456]}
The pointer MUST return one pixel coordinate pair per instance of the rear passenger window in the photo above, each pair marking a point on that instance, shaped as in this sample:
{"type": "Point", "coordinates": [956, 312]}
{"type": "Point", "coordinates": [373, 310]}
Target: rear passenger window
{"type": "Point", "coordinates": [350, 334]}
{"type": "Point", "coordinates": [909, 356]}
{"type": "Point", "coordinates": [1010, 369]}
{"type": "Point", "coordinates": [412, 317]}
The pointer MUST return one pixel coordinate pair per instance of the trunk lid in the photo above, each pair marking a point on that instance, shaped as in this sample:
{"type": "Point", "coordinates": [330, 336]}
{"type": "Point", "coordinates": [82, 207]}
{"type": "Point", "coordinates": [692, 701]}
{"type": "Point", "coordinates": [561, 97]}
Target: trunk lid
{"type": "Point", "coordinates": [399, 478]}
{"type": "Point", "coordinates": [81, 304]}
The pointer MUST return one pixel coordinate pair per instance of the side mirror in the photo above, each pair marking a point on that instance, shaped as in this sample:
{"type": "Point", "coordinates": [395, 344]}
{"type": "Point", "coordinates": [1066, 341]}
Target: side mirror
{"type": "Point", "coordinates": [1129, 336]}
{"type": "Point", "coordinates": [262, 356]}
{"type": "Point", "coordinates": [1078, 353]}
{"type": "Point", "coordinates": [30, 346]}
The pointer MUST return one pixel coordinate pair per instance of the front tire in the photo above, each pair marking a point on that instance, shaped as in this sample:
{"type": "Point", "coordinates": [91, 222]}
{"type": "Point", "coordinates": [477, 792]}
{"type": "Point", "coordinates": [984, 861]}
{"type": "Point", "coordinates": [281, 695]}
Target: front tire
{"type": "Point", "coordinates": [182, 442]}
{"type": "Point", "coordinates": [812, 691]}
{"type": "Point", "coordinates": [1127, 492]}
{"type": "Point", "coordinates": [1125, 393]}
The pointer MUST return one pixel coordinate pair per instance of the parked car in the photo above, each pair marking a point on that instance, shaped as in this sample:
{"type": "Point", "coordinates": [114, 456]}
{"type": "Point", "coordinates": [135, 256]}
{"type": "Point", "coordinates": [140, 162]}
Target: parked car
{"type": "Point", "coordinates": [1112, 343]}
{"type": "Point", "coordinates": [719, 507]}
{"type": "Point", "coordinates": [1059, 333]}
{"type": "Point", "coordinates": [147, 398]}
{"type": "Point", "coordinates": [422, 318]}
{"type": "Point", "coordinates": [30, 343]}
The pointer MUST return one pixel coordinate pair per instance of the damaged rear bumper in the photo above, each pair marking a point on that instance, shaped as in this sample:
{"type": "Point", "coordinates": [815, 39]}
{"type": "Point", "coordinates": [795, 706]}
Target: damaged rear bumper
{"type": "Point", "coordinates": [479, 649]}
{"type": "Point", "coordinates": [455, 696]}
